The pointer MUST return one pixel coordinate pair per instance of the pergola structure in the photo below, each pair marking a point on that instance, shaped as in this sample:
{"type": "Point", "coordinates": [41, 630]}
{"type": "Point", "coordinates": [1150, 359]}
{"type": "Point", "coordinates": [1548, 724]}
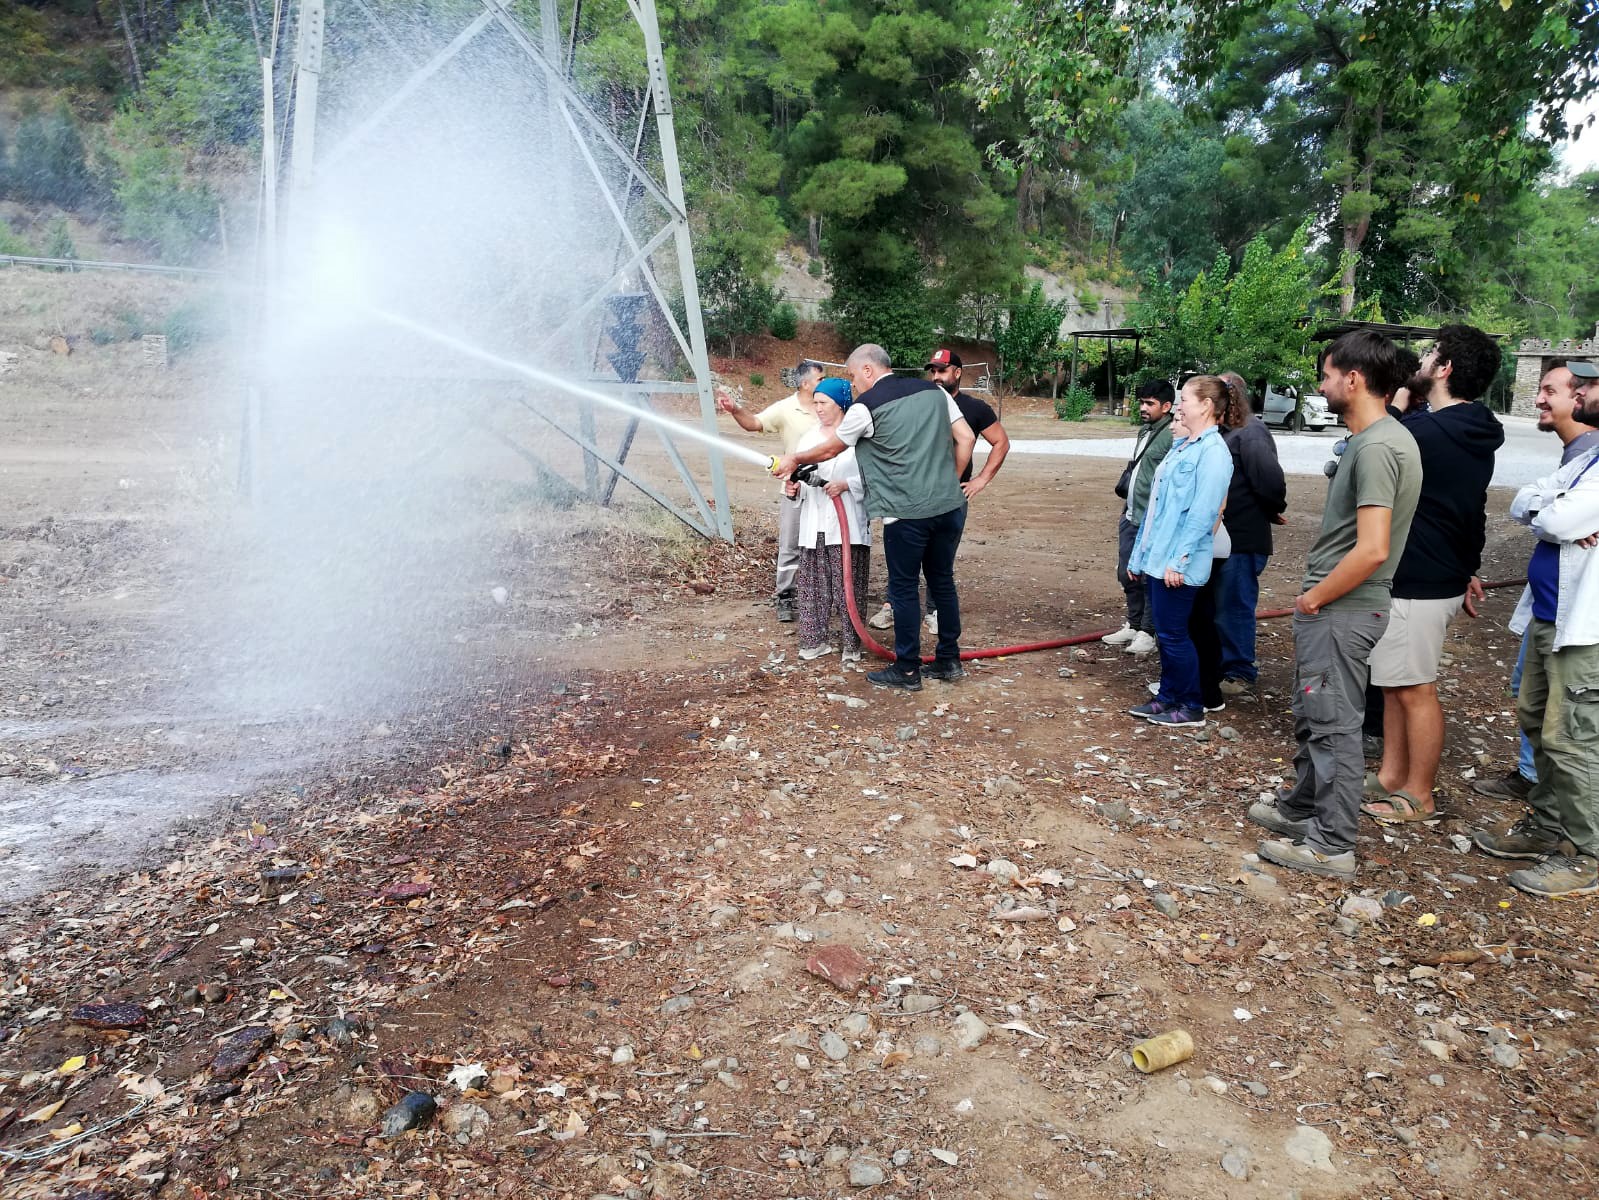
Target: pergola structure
{"type": "Point", "coordinates": [627, 183]}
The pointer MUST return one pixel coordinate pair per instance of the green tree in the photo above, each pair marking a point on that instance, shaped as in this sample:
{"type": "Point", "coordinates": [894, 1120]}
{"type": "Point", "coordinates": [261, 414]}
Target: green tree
{"type": "Point", "coordinates": [735, 306]}
{"type": "Point", "coordinates": [205, 91]}
{"type": "Point", "coordinates": [59, 243]}
{"type": "Point", "coordinates": [1027, 339]}
{"type": "Point", "coordinates": [48, 164]}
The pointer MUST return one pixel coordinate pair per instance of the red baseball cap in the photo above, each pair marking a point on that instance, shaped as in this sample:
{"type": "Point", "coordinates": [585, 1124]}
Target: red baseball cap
{"type": "Point", "coordinates": [943, 358]}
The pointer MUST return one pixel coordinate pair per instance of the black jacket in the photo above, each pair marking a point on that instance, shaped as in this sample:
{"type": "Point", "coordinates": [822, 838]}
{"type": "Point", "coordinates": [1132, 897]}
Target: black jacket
{"type": "Point", "coordinates": [1457, 464]}
{"type": "Point", "coordinates": [1258, 491]}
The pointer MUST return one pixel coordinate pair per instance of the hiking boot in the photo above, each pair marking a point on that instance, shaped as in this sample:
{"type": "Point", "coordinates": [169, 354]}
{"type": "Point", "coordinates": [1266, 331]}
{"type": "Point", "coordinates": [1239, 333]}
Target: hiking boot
{"type": "Point", "coordinates": [786, 605]}
{"type": "Point", "coordinates": [1558, 875]}
{"type": "Point", "coordinates": [895, 679]}
{"type": "Point", "coordinates": [1266, 813]}
{"type": "Point", "coordinates": [948, 672]}
{"type": "Point", "coordinates": [1298, 856]}
{"type": "Point", "coordinates": [1521, 840]}
{"type": "Point", "coordinates": [1512, 785]}
{"type": "Point", "coordinates": [1177, 717]}
{"type": "Point", "coordinates": [1153, 709]}
{"type": "Point", "coordinates": [883, 618]}
{"type": "Point", "coordinates": [1141, 643]}
{"type": "Point", "coordinates": [1234, 686]}
{"type": "Point", "coordinates": [1121, 637]}
{"type": "Point", "coordinates": [1370, 745]}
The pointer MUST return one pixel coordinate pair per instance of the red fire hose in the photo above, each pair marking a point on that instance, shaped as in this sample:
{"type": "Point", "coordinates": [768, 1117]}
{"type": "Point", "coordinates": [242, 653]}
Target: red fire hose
{"type": "Point", "coordinates": [883, 652]}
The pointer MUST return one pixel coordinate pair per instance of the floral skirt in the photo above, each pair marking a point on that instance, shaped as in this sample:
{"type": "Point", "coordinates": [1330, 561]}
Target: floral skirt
{"type": "Point", "coordinates": [821, 593]}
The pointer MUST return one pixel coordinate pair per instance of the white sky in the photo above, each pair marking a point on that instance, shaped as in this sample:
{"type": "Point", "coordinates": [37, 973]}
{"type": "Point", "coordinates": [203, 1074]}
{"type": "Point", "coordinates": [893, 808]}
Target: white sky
{"type": "Point", "coordinates": [1583, 155]}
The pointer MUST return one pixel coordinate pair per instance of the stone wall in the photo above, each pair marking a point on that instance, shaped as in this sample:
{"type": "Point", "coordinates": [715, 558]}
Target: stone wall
{"type": "Point", "coordinates": [1532, 360]}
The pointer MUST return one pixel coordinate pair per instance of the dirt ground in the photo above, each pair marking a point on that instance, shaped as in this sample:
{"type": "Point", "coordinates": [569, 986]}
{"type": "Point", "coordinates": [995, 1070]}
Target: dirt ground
{"type": "Point", "coordinates": [604, 894]}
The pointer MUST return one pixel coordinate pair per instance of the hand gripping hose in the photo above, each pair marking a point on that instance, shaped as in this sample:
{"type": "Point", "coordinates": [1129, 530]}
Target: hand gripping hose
{"type": "Point", "coordinates": [883, 652]}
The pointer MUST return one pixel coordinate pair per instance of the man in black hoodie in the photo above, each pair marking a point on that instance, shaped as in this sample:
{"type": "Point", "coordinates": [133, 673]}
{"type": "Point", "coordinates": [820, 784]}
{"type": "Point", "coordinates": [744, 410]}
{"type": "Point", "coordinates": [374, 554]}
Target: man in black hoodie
{"type": "Point", "coordinates": [1437, 575]}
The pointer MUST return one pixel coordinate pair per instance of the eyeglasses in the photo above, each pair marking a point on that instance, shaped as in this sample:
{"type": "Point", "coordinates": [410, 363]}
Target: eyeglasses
{"type": "Point", "coordinates": [1339, 447]}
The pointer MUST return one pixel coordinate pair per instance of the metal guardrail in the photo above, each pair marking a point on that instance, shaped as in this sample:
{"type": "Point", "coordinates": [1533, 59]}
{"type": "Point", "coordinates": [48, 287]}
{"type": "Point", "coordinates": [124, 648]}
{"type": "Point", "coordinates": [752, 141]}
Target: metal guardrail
{"type": "Point", "coordinates": [91, 264]}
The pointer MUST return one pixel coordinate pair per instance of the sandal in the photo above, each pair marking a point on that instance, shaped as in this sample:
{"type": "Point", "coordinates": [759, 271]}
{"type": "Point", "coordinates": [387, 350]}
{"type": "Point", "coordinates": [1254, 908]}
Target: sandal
{"type": "Point", "coordinates": [1373, 787]}
{"type": "Point", "coordinates": [1403, 809]}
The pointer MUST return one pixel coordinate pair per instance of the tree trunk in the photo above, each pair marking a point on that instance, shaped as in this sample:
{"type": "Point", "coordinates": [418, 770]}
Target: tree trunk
{"type": "Point", "coordinates": [133, 50]}
{"type": "Point", "coordinates": [1024, 187]}
{"type": "Point", "coordinates": [1355, 234]}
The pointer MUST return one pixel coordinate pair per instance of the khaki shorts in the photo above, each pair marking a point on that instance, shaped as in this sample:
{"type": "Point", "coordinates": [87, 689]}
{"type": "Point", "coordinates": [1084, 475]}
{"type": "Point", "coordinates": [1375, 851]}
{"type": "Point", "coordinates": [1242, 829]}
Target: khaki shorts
{"type": "Point", "coordinates": [1409, 650]}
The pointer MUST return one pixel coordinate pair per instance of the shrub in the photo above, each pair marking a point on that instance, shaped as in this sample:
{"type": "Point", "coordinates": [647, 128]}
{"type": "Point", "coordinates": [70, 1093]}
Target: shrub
{"type": "Point", "coordinates": [735, 305]}
{"type": "Point", "coordinates": [131, 325]}
{"type": "Point", "coordinates": [60, 244]}
{"type": "Point", "coordinates": [785, 323]}
{"type": "Point", "coordinates": [101, 336]}
{"type": "Point", "coordinates": [757, 379]}
{"type": "Point", "coordinates": [893, 312]}
{"type": "Point", "coordinates": [1074, 403]}
{"type": "Point", "coordinates": [160, 207]}
{"type": "Point", "coordinates": [814, 268]}
{"type": "Point", "coordinates": [202, 319]}
{"type": "Point", "coordinates": [48, 163]}
{"type": "Point", "coordinates": [11, 242]}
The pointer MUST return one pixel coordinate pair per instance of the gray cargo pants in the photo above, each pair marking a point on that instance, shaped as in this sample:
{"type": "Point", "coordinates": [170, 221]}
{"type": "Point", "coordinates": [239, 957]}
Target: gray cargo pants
{"type": "Point", "coordinates": [788, 547]}
{"type": "Point", "coordinates": [1137, 593]}
{"type": "Point", "coordinates": [1332, 664]}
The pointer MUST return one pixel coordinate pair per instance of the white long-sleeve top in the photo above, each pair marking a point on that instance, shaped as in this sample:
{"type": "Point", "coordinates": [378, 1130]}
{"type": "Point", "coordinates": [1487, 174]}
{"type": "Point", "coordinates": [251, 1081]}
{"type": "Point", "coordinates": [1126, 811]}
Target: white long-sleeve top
{"type": "Point", "coordinates": [816, 506]}
{"type": "Point", "coordinates": [1564, 508]}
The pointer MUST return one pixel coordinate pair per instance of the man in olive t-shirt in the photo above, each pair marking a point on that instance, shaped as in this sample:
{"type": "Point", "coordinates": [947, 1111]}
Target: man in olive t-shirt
{"type": "Point", "coordinates": [1343, 610]}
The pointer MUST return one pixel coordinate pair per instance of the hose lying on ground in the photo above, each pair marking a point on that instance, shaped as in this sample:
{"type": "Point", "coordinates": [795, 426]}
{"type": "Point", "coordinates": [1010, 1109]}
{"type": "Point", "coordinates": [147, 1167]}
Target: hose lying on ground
{"type": "Point", "coordinates": [881, 651]}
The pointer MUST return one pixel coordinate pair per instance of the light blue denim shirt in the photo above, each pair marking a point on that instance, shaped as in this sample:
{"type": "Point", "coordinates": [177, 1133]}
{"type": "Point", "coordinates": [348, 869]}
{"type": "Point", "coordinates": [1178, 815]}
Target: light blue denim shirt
{"type": "Point", "coordinates": [1190, 488]}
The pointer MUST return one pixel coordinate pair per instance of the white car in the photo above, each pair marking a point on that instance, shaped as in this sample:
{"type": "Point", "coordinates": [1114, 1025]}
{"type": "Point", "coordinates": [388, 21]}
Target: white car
{"type": "Point", "coordinates": [1285, 410]}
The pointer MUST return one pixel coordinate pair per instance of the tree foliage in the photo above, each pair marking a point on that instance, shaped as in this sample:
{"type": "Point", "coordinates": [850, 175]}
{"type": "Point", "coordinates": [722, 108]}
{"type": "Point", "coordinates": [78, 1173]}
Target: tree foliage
{"type": "Point", "coordinates": [1027, 338]}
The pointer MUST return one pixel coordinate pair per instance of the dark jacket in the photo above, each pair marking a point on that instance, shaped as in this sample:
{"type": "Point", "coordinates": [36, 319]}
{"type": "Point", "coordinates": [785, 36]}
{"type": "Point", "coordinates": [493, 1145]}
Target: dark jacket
{"type": "Point", "coordinates": [1157, 438]}
{"type": "Point", "coordinates": [1258, 491]}
{"type": "Point", "coordinates": [1444, 550]}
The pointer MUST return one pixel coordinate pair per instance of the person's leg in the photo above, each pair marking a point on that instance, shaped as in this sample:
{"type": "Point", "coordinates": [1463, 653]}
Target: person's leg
{"type": "Point", "coordinates": [1422, 717]}
{"type": "Point", "coordinates": [903, 543]}
{"type": "Point", "coordinates": [1237, 582]}
{"type": "Point", "coordinates": [809, 581]}
{"type": "Point", "coordinates": [788, 547]}
{"type": "Point", "coordinates": [1524, 764]}
{"type": "Point", "coordinates": [1334, 699]}
{"type": "Point", "coordinates": [1204, 633]}
{"type": "Point", "coordinates": [1533, 710]}
{"type": "Point", "coordinates": [860, 561]}
{"type": "Point", "coordinates": [1179, 662]}
{"type": "Point", "coordinates": [1395, 765]}
{"type": "Point", "coordinates": [938, 564]}
{"type": "Point", "coordinates": [1132, 589]}
{"type": "Point", "coordinates": [1571, 745]}
{"type": "Point", "coordinates": [1375, 721]}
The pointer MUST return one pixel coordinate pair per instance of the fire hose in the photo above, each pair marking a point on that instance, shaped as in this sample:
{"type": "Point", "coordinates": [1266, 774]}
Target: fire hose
{"type": "Point", "coordinates": [867, 640]}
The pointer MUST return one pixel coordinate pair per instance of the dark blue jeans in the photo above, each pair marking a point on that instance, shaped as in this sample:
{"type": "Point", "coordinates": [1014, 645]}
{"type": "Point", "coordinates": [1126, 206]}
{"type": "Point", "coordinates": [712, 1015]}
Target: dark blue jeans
{"type": "Point", "coordinates": [916, 547]}
{"type": "Point", "coordinates": [1237, 594]}
{"type": "Point", "coordinates": [1179, 661]}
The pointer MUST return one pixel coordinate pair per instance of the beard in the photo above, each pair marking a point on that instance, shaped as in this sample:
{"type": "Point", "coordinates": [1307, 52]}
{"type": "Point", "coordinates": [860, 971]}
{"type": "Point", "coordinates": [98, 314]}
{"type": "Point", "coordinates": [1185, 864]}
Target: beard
{"type": "Point", "coordinates": [1588, 410]}
{"type": "Point", "coordinates": [1420, 388]}
{"type": "Point", "coordinates": [949, 385]}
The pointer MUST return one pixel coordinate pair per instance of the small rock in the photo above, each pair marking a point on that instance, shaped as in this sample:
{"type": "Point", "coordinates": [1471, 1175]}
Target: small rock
{"type": "Point", "coordinates": [863, 1174]}
{"type": "Point", "coordinates": [722, 916]}
{"type": "Point", "coordinates": [1165, 903]}
{"type": "Point", "coordinates": [1218, 1086]}
{"type": "Point", "coordinates": [464, 1122]}
{"type": "Point", "coordinates": [1436, 1049]}
{"type": "Point", "coordinates": [215, 993]}
{"type": "Point", "coordinates": [109, 1016]}
{"type": "Point", "coordinates": [835, 1047]}
{"type": "Point", "coordinates": [1408, 1134]}
{"type": "Point", "coordinates": [929, 1046]}
{"type": "Point", "coordinates": [834, 899]}
{"type": "Point", "coordinates": [948, 1157]}
{"type": "Point", "coordinates": [239, 1051]}
{"type": "Point", "coordinates": [414, 1111]}
{"type": "Point", "coordinates": [970, 1031]}
{"type": "Point", "coordinates": [1436, 1080]}
{"type": "Point", "coordinates": [1257, 1089]}
{"type": "Point", "coordinates": [906, 733]}
{"type": "Point", "coordinates": [919, 1002]}
{"type": "Point", "coordinates": [1115, 812]}
{"type": "Point", "coordinates": [1228, 733]}
{"type": "Point", "coordinates": [1310, 1147]}
{"type": "Point", "coordinates": [1361, 908]}
{"type": "Point", "coordinates": [855, 1025]}
{"type": "Point", "coordinates": [1235, 1164]}
{"type": "Point", "coordinates": [621, 1056]}
{"type": "Point", "coordinates": [1346, 926]}
{"type": "Point", "coordinates": [1003, 868]}
{"type": "Point", "coordinates": [677, 1004]}
{"type": "Point", "coordinates": [902, 1158]}
{"type": "Point", "coordinates": [1507, 1056]}
{"type": "Point", "coordinates": [845, 967]}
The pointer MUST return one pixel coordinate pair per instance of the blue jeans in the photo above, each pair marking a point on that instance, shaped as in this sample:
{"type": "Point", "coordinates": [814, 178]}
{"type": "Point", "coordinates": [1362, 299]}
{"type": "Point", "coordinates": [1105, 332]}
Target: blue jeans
{"type": "Point", "coordinates": [1237, 580]}
{"type": "Point", "coordinates": [1179, 661]}
{"type": "Point", "coordinates": [915, 547]}
{"type": "Point", "coordinates": [1524, 763]}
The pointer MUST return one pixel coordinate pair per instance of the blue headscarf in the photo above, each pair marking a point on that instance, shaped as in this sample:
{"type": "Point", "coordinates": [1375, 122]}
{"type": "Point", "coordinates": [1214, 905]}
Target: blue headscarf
{"type": "Point", "coordinates": [836, 390]}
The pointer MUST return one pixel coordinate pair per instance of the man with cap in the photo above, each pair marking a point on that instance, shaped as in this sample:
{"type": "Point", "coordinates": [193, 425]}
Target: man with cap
{"type": "Point", "coordinates": [791, 418]}
{"type": "Point", "coordinates": [1558, 703]}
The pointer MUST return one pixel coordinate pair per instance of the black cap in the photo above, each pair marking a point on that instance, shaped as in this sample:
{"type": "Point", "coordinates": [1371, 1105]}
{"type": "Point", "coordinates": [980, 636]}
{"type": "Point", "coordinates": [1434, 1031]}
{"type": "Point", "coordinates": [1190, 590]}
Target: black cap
{"type": "Point", "coordinates": [943, 358]}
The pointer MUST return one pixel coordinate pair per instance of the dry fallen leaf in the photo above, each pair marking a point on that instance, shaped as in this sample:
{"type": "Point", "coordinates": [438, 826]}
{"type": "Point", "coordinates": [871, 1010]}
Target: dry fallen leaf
{"type": "Point", "coordinates": [75, 1063]}
{"type": "Point", "coordinates": [45, 1113]}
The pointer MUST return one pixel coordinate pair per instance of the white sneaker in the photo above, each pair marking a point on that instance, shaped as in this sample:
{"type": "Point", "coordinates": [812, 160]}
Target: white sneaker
{"type": "Point", "coordinates": [815, 652]}
{"type": "Point", "coordinates": [1121, 637]}
{"type": "Point", "coordinates": [850, 658]}
{"type": "Point", "coordinates": [931, 621]}
{"type": "Point", "coordinates": [1142, 643]}
{"type": "Point", "coordinates": [883, 618]}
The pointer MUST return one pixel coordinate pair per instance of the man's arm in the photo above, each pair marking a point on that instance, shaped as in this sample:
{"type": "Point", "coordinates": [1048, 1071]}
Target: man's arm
{"type": "Point", "coordinates": [1373, 525]}
{"type": "Point", "coordinates": [831, 448]}
{"type": "Point", "coordinates": [747, 420]}
{"type": "Point", "coordinates": [999, 446]}
{"type": "Point", "coordinates": [1264, 473]}
{"type": "Point", "coordinates": [1570, 515]}
{"type": "Point", "coordinates": [965, 439]}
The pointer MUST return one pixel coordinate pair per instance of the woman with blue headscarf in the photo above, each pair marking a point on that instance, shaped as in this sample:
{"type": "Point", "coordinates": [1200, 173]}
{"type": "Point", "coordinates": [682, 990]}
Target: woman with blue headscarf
{"type": "Point", "coordinates": [821, 571]}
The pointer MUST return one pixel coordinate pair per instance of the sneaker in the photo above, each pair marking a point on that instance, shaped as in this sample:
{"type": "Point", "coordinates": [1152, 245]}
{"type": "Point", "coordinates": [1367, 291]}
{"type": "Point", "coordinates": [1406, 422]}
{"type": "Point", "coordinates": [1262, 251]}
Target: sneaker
{"type": "Point", "coordinates": [1558, 875]}
{"type": "Point", "coordinates": [1142, 643]}
{"type": "Point", "coordinates": [894, 678]}
{"type": "Point", "coordinates": [1521, 840]}
{"type": "Point", "coordinates": [1177, 717]}
{"type": "Point", "coordinates": [1153, 709]}
{"type": "Point", "coordinates": [1234, 686]}
{"type": "Point", "coordinates": [949, 672]}
{"type": "Point", "coordinates": [931, 621]}
{"type": "Point", "coordinates": [1512, 785]}
{"type": "Point", "coordinates": [850, 657]}
{"type": "Point", "coordinates": [815, 652]}
{"type": "Point", "coordinates": [1121, 637]}
{"type": "Point", "coordinates": [883, 618]}
{"type": "Point", "coordinates": [785, 606]}
{"type": "Point", "coordinates": [1371, 745]}
{"type": "Point", "coordinates": [1266, 814]}
{"type": "Point", "coordinates": [1216, 707]}
{"type": "Point", "coordinates": [1298, 856]}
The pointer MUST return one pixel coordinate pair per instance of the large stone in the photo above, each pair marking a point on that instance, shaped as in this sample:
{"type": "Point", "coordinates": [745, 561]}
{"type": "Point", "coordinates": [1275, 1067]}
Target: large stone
{"type": "Point", "coordinates": [970, 1031]}
{"type": "Point", "coordinates": [109, 1016]}
{"type": "Point", "coordinates": [835, 1047]}
{"type": "Point", "coordinates": [239, 1051]}
{"type": "Point", "coordinates": [864, 1173]}
{"type": "Point", "coordinates": [845, 967]}
{"type": "Point", "coordinates": [1361, 908]}
{"type": "Point", "coordinates": [1310, 1147]}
